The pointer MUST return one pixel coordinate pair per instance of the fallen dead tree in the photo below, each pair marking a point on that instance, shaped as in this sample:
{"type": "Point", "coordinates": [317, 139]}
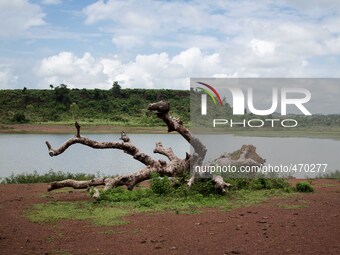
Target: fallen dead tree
{"type": "Point", "coordinates": [174, 167]}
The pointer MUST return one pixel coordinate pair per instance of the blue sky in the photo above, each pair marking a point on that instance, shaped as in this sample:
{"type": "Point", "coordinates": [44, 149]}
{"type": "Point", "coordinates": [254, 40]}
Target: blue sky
{"type": "Point", "coordinates": [161, 44]}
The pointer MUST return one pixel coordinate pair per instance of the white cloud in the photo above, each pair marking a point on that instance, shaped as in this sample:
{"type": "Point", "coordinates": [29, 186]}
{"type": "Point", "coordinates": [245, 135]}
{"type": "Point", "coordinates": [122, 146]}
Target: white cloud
{"type": "Point", "coordinates": [151, 71]}
{"type": "Point", "coordinates": [18, 16]}
{"type": "Point", "coordinates": [261, 47]}
{"type": "Point", "coordinates": [69, 69]}
{"type": "Point", "coordinates": [287, 29]}
{"type": "Point", "coordinates": [7, 77]}
{"type": "Point", "coordinates": [161, 44]}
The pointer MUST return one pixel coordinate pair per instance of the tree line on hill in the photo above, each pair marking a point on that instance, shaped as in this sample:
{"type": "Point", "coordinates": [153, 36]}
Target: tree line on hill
{"type": "Point", "coordinates": [60, 104]}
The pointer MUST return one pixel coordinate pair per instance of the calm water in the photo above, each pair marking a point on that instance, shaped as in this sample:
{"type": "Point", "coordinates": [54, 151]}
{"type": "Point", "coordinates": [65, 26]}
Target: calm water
{"type": "Point", "coordinates": [26, 153]}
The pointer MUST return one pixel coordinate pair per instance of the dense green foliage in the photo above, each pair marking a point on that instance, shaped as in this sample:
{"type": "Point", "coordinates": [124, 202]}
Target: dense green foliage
{"type": "Point", "coordinates": [124, 107]}
{"type": "Point", "coordinates": [259, 183]}
{"type": "Point", "coordinates": [61, 104]}
{"type": "Point", "coordinates": [163, 186]}
{"type": "Point", "coordinates": [304, 187]}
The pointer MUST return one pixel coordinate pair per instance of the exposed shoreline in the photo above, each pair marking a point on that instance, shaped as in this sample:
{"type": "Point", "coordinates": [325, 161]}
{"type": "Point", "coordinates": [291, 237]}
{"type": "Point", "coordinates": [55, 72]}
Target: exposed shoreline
{"type": "Point", "coordinates": [332, 133]}
{"type": "Point", "coordinates": [70, 129]}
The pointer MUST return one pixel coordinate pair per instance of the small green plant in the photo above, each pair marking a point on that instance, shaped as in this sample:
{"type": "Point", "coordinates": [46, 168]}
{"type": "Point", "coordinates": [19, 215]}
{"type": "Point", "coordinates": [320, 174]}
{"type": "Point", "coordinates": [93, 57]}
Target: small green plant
{"type": "Point", "coordinates": [203, 187]}
{"type": "Point", "coordinates": [161, 185]}
{"type": "Point", "coordinates": [304, 187]}
{"type": "Point", "coordinates": [258, 183]}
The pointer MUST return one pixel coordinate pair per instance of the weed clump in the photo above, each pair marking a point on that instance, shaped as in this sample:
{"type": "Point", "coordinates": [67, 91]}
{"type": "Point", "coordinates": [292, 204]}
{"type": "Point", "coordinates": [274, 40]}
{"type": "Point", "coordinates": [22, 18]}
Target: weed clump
{"type": "Point", "coordinates": [304, 187]}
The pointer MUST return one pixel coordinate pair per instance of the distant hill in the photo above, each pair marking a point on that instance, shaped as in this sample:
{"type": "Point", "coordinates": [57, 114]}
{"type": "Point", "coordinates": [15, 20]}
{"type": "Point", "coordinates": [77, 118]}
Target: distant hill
{"type": "Point", "coordinates": [122, 107]}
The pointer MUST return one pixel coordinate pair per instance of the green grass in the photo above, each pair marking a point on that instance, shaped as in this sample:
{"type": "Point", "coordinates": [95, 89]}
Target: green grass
{"type": "Point", "coordinates": [53, 212]}
{"type": "Point", "coordinates": [162, 196]}
{"type": "Point", "coordinates": [110, 213]}
{"type": "Point", "coordinates": [289, 207]}
{"type": "Point", "coordinates": [60, 252]}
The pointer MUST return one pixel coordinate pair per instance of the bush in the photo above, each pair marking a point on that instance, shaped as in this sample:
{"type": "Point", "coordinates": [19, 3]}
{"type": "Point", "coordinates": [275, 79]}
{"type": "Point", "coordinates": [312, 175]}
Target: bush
{"type": "Point", "coordinates": [204, 187]}
{"type": "Point", "coordinates": [280, 183]}
{"type": "Point", "coordinates": [161, 185]}
{"type": "Point", "coordinates": [258, 183]}
{"type": "Point", "coordinates": [19, 118]}
{"type": "Point", "coordinates": [239, 183]}
{"type": "Point", "coordinates": [304, 187]}
{"type": "Point", "coordinates": [122, 195]}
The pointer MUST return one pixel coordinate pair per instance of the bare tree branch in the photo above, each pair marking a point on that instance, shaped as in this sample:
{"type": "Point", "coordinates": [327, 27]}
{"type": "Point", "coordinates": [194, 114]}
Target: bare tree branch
{"type": "Point", "coordinates": [127, 147]}
{"type": "Point", "coordinates": [173, 168]}
{"type": "Point", "coordinates": [166, 152]}
{"type": "Point", "coordinates": [76, 184]}
{"type": "Point", "coordinates": [162, 110]}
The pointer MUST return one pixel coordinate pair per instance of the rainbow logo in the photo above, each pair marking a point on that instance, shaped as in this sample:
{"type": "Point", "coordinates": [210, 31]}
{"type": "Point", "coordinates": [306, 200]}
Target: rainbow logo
{"type": "Point", "coordinates": [209, 92]}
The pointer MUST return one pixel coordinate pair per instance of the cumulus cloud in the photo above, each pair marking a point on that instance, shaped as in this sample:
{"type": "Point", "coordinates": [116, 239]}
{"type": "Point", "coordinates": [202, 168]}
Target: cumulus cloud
{"type": "Point", "coordinates": [160, 44]}
{"type": "Point", "coordinates": [18, 16]}
{"type": "Point", "coordinates": [7, 77]}
{"type": "Point", "coordinates": [151, 71]}
{"type": "Point", "coordinates": [72, 70]}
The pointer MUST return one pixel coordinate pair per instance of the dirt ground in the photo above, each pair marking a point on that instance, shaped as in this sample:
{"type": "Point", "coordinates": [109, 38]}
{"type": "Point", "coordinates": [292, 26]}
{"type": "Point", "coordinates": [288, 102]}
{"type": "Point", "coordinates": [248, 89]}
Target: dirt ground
{"type": "Point", "coordinates": [267, 228]}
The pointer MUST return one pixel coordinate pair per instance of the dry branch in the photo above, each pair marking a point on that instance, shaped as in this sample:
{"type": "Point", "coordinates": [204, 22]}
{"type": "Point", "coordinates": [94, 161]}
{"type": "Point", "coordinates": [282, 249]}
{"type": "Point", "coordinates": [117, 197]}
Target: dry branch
{"type": "Point", "coordinates": [176, 166]}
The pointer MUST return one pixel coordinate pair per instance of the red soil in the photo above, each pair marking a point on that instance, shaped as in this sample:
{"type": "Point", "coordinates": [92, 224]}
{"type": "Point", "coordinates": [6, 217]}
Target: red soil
{"type": "Point", "coordinates": [265, 228]}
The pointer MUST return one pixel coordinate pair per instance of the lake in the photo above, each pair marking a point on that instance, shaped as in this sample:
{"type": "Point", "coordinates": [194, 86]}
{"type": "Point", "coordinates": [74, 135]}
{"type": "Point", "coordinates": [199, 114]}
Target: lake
{"type": "Point", "coordinates": [27, 152]}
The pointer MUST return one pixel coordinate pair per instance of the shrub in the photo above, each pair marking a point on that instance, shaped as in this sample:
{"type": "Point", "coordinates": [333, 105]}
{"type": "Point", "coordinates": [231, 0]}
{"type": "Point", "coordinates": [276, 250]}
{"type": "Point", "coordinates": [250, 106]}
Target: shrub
{"type": "Point", "coordinates": [19, 118]}
{"type": "Point", "coordinates": [256, 184]}
{"type": "Point", "coordinates": [161, 185]}
{"type": "Point", "coordinates": [239, 183]}
{"type": "Point", "coordinates": [280, 183]}
{"type": "Point", "coordinates": [204, 187]}
{"type": "Point", "coordinates": [120, 194]}
{"type": "Point", "coordinates": [304, 187]}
